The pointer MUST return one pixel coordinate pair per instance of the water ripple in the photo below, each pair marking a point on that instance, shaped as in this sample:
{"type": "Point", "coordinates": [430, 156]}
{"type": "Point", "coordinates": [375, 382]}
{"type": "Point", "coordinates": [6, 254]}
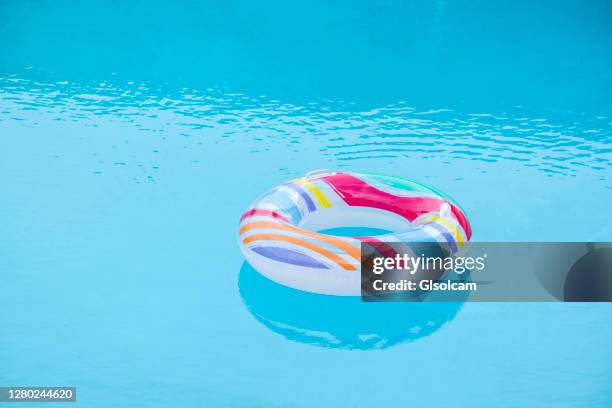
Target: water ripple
{"type": "Point", "coordinates": [558, 143]}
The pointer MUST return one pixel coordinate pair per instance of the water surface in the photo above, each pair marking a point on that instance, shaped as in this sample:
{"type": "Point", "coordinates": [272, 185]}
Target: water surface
{"type": "Point", "coordinates": [133, 136]}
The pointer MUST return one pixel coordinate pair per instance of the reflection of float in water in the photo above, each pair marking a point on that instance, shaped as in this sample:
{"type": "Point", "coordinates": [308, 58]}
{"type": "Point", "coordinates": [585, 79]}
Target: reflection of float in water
{"type": "Point", "coordinates": [339, 322]}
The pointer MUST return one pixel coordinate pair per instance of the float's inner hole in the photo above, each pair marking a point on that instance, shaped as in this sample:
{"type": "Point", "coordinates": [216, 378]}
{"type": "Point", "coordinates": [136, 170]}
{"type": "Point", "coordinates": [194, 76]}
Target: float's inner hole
{"type": "Point", "coordinates": [354, 231]}
{"type": "Point", "coordinates": [354, 221]}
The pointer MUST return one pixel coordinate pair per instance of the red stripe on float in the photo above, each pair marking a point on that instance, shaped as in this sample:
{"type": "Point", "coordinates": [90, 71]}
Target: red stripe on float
{"type": "Point", "coordinates": [356, 192]}
{"type": "Point", "coordinates": [266, 213]}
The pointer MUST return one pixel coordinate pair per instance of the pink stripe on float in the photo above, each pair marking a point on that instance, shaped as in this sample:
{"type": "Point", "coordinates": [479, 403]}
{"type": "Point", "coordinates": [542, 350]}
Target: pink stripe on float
{"type": "Point", "coordinates": [356, 192]}
{"type": "Point", "coordinates": [265, 213]}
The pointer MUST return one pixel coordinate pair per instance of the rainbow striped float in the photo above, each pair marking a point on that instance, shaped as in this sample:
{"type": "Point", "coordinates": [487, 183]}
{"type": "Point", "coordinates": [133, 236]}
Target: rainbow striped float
{"type": "Point", "coordinates": [278, 235]}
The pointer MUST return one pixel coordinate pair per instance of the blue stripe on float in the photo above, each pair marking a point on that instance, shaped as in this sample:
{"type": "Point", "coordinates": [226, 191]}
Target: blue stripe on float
{"type": "Point", "coordinates": [447, 236]}
{"type": "Point", "coordinates": [289, 256]}
{"type": "Point", "coordinates": [309, 203]}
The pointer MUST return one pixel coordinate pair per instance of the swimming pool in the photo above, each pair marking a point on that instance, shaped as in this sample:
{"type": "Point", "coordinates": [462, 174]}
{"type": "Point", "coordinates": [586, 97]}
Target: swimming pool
{"type": "Point", "coordinates": [134, 136]}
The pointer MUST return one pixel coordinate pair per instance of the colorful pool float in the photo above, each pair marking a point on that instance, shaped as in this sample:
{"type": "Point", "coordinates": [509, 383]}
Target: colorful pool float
{"type": "Point", "coordinates": [278, 232]}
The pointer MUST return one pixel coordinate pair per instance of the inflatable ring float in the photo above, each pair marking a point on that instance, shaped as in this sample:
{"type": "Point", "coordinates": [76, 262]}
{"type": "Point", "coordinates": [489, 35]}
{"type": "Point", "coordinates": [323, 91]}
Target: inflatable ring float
{"type": "Point", "coordinates": [278, 232]}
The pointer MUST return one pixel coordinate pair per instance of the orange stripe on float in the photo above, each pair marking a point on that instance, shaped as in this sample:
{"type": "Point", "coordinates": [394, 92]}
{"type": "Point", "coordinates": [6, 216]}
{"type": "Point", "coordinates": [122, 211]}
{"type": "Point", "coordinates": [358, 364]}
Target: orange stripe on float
{"type": "Point", "coordinates": [338, 243]}
{"type": "Point", "coordinates": [300, 242]}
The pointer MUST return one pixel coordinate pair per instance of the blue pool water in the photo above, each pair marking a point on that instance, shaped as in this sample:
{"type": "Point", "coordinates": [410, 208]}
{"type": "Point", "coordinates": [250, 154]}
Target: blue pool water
{"type": "Point", "coordinates": [132, 137]}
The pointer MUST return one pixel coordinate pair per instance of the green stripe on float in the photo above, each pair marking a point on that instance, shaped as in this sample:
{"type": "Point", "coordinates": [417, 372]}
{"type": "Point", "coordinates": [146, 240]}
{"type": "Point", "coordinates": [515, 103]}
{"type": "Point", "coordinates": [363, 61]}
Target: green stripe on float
{"type": "Point", "coordinates": [407, 185]}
